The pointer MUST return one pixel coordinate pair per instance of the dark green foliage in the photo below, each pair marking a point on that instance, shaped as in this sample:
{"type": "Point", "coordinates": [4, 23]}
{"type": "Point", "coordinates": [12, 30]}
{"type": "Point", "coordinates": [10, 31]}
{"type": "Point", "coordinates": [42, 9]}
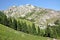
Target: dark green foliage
{"type": "Point", "coordinates": [3, 18]}
{"type": "Point", "coordinates": [57, 27]}
{"type": "Point", "coordinates": [14, 24]}
{"type": "Point", "coordinates": [42, 32]}
{"type": "Point", "coordinates": [47, 31]}
{"type": "Point", "coordinates": [57, 22]}
{"type": "Point", "coordinates": [29, 29]}
{"type": "Point", "coordinates": [24, 27]}
{"type": "Point", "coordinates": [38, 31]}
{"type": "Point", "coordinates": [19, 27]}
{"type": "Point", "coordinates": [54, 32]}
{"type": "Point", "coordinates": [33, 29]}
{"type": "Point", "coordinates": [58, 30]}
{"type": "Point", "coordinates": [50, 32]}
{"type": "Point", "coordinates": [9, 22]}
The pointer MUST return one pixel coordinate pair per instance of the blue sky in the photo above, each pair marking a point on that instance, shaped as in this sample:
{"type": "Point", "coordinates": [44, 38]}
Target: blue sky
{"type": "Point", "coordinates": [51, 4]}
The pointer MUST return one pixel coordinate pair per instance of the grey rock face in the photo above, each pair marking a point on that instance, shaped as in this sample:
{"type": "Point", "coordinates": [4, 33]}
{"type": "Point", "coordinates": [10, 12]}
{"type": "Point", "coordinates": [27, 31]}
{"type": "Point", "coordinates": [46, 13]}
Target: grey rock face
{"type": "Point", "coordinates": [41, 16]}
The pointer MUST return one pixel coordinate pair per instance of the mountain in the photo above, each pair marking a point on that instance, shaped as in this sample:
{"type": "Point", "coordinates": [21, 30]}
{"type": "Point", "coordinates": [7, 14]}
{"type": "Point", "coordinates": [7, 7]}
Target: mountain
{"type": "Point", "coordinates": [40, 16]}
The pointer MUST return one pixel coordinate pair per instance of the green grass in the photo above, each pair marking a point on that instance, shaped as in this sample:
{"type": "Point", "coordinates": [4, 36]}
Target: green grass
{"type": "Point", "coordinates": [7, 33]}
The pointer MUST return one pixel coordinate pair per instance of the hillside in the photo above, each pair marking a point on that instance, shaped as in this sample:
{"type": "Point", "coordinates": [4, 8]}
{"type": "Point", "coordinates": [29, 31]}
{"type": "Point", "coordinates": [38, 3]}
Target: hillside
{"type": "Point", "coordinates": [10, 34]}
{"type": "Point", "coordinates": [29, 22]}
{"type": "Point", "coordinates": [40, 16]}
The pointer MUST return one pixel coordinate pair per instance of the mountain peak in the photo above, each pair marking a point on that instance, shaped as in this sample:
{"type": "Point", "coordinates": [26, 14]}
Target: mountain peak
{"type": "Point", "coordinates": [28, 4]}
{"type": "Point", "coordinates": [14, 6]}
{"type": "Point", "coordinates": [39, 15]}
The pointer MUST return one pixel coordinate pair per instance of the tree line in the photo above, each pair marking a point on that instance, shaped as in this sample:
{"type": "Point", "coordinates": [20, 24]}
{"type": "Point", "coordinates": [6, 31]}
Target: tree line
{"type": "Point", "coordinates": [17, 25]}
{"type": "Point", "coordinates": [50, 31]}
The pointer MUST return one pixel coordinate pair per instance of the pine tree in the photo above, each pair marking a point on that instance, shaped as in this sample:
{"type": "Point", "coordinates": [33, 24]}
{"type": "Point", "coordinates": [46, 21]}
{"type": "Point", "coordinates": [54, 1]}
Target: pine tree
{"type": "Point", "coordinates": [47, 31]}
{"type": "Point", "coordinates": [9, 22]}
{"type": "Point", "coordinates": [34, 29]}
{"type": "Point", "coordinates": [38, 30]}
{"type": "Point", "coordinates": [53, 32]}
{"type": "Point", "coordinates": [3, 18]}
{"type": "Point", "coordinates": [29, 29]}
{"type": "Point", "coordinates": [19, 27]}
{"type": "Point", "coordinates": [24, 26]}
{"type": "Point", "coordinates": [14, 23]}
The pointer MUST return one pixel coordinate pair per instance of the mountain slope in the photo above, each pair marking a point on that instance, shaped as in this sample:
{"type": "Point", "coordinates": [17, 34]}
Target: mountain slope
{"type": "Point", "coordinates": [40, 16]}
{"type": "Point", "coordinates": [10, 34]}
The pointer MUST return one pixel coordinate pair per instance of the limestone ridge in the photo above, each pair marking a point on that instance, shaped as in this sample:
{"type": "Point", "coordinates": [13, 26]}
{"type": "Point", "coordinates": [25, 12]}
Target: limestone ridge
{"type": "Point", "coordinates": [41, 16]}
{"type": "Point", "coordinates": [20, 10]}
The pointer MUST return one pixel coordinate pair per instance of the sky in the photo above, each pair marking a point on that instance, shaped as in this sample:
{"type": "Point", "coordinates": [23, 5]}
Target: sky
{"type": "Point", "coordinates": [50, 4]}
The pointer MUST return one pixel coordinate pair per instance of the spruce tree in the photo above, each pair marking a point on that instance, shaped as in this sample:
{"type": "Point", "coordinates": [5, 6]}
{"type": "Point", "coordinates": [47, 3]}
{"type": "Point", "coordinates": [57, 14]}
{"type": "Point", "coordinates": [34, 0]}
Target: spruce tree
{"type": "Point", "coordinates": [29, 29]}
{"type": "Point", "coordinates": [9, 22]}
{"type": "Point", "coordinates": [3, 18]}
{"type": "Point", "coordinates": [47, 31]}
{"type": "Point", "coordinates": [14, 23]}
{"type": "Point", "coordinates": [38, 31]}
{"type": "Point", "coordinates": [34, 29]}
{"type": "Point", "coordinates": [24, 27]}
{"type": "Point", "coordinates": [19, 27]}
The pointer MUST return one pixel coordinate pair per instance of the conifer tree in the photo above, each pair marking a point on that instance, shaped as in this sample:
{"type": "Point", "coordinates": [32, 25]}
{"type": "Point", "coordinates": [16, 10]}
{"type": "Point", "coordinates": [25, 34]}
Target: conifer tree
{"type": "Point", "coordinates": [3, 18]}
{"type": "Point", "coordinates": [47, 31]}
{"type": "Point", "coordinates": [29, 29]}
{"type": "Point", "coordinates": [19, 27]}
{"type": "Point", "coordinates": [14, 23]}
{"type": "Point", "coordinates": [24, 27]}
{"type": "Point", "coordinates": [34, 29]}
{"type": "Point", "coordinates": [9, 22]}
{"type": "Point", "coordinates": [38, 30]}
